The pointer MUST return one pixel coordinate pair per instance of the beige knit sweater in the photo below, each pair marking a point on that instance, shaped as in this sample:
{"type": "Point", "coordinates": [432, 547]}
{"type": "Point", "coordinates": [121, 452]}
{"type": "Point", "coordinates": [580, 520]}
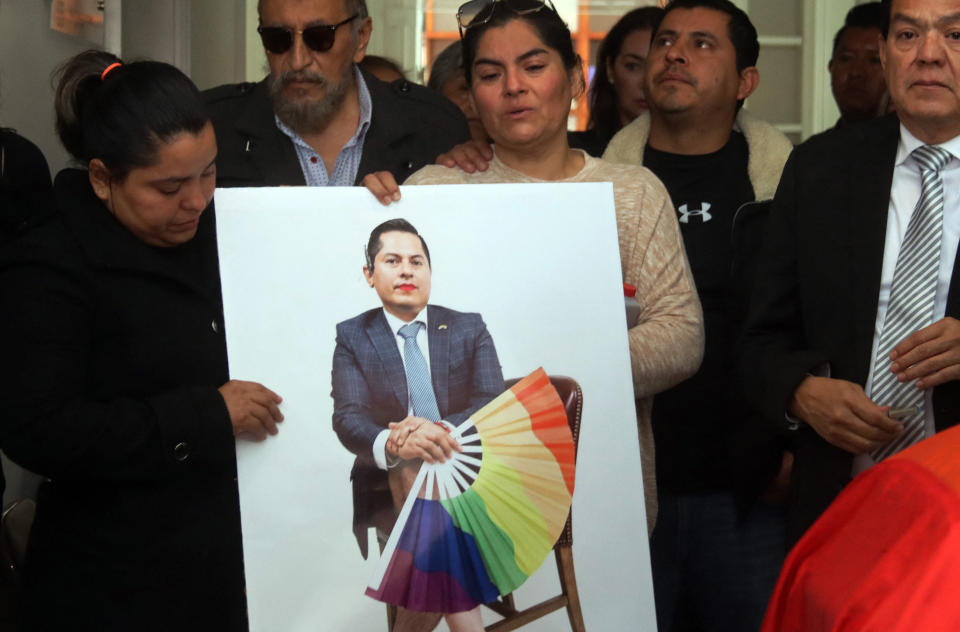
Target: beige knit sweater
{"type": "Point", "coordinates": [667, 343]}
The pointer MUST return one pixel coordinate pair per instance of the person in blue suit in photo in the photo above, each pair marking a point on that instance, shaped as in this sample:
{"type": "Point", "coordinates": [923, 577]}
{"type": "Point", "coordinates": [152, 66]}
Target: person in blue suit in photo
{"type": "Point", "coordinates": [398, 369]}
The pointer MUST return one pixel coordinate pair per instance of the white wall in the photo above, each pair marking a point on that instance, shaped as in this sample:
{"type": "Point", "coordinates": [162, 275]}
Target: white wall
{"type": "Point", "coordinates": [158, 30]}
{"type": "Point", "coordinates": [218, 41]}
{"type": "Point", "coordinates": [396, 32]}
{"type": "Point", "coordinates": [29, 52]}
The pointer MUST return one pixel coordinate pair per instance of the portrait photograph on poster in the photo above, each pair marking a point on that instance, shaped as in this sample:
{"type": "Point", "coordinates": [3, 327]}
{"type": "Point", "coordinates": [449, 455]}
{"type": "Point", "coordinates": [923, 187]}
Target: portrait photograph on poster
{"type": "Point", "coordinates": [476, 329]}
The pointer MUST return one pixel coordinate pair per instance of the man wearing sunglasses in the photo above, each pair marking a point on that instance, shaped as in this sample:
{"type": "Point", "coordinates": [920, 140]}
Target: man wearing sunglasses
{"type": "Point", "coordinates": [318, 120]}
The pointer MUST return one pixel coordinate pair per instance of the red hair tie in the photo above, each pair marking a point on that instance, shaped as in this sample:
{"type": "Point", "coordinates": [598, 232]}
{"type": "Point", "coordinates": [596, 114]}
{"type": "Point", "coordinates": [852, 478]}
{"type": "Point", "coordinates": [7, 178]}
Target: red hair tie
{"type": "Point", "coordinates": [103, 75]}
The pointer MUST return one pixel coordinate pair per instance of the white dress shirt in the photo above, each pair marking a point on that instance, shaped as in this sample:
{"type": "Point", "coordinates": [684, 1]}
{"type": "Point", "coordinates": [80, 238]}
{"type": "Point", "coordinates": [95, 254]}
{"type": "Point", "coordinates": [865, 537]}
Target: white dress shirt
{"type": "Point", "coordinates": [904, 195]}
{"type": "Point", "coordinates": [395, 324]}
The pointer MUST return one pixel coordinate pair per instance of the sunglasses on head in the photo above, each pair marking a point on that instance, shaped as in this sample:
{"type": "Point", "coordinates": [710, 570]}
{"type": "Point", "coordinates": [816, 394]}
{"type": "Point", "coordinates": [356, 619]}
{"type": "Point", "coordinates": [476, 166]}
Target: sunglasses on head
{"type": "Point", "coordinates": [468, 12]}
{"type": "Point", "coordinates": [319, 38]}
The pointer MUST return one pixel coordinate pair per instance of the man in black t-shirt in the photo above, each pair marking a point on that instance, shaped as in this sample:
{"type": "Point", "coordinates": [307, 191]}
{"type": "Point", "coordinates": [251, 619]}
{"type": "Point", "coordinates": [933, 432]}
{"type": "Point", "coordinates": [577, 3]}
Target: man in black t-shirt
{"type": "Point", "coordinates": [716, 549]}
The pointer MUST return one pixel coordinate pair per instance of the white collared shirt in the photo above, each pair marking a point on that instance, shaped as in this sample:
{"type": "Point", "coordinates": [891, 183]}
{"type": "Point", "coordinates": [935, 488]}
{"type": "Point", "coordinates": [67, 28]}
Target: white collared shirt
{"type": "Point", "coordinates": [904, 195]}
{"type": "Point", "coordinates": [380, 443]}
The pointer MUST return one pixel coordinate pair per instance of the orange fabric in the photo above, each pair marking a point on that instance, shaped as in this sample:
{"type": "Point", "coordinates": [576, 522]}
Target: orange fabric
{"type": "Point", "coordinates": [886, 554]}
{"type": "Point", "coordinates": [938, 455]}
{"type": "Point", "coordinates": [548, 420]}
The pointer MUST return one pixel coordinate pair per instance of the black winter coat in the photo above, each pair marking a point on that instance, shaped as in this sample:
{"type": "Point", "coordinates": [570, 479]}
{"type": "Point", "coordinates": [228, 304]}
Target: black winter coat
{"type": "Point", "coordinates": [113, 352]}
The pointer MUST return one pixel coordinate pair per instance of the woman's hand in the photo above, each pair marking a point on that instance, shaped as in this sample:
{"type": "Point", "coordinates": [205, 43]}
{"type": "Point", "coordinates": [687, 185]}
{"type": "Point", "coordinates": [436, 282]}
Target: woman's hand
{"type": "Point", "coordinates": [253, 409]}
{"type": "Point", "coordinates": [383, 186]}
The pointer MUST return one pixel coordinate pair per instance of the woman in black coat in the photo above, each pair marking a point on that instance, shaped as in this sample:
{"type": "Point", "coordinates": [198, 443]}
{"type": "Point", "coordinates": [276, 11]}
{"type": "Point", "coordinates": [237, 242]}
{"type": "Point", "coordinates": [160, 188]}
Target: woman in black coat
{"type": "Point", "coordinates": [114, 370]}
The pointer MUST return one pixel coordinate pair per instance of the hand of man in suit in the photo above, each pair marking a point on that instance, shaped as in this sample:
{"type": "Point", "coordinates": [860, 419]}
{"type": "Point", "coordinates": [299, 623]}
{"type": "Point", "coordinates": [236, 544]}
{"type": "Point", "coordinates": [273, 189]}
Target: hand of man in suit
{"type": "Point", "coordinates": [400, 430]}
{"type": "Point", "coordinates": [931, 355]}
{"type": "Point", "coordinates": [471, 156]}
{"type": "Point", "coordinates": [841, 413]}
{"type": "Point", "coordinates": [429, 441]}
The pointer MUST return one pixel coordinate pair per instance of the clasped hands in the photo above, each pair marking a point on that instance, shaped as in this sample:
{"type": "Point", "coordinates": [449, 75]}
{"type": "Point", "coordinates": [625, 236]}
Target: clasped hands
{"type": "Point", "coordinates": [840, 412]}
{"type": "Point", "coordinates": [419, 438]}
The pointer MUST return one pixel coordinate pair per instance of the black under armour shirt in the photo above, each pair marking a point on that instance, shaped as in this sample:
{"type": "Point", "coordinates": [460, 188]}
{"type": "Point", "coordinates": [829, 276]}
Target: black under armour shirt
{"type": "Point", "coordinates": [692, 421]}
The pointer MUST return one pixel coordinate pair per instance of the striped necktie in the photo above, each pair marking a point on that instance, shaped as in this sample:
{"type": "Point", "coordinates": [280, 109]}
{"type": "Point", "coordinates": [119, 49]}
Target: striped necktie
{"type": "Point", "coordinates": [423, 402]}
{"type": "Point", "coordinates": [911, 298]}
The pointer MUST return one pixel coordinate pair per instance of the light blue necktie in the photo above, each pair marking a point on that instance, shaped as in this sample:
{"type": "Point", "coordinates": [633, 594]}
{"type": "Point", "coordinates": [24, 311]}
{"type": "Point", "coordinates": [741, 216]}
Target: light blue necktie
{"type": "Point", "coordinates": [911, 297]}
{"type": "Point", "coordinates": [422, 400]}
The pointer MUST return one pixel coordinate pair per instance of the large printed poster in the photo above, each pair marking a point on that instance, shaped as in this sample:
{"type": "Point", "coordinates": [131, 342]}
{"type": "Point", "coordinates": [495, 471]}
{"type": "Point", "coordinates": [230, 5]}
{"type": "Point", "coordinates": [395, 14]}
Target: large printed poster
{"type": "Point", "coordinates": [539, 265]}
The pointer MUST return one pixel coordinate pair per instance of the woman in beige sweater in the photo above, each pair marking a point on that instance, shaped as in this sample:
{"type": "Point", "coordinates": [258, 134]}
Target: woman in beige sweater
{"type": "Point", "coordinates": [523, 72]}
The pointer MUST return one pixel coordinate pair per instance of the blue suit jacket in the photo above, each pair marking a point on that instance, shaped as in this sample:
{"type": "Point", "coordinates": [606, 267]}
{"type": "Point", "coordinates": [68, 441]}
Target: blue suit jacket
{"type": "Point", "coordinates": [370, 389]}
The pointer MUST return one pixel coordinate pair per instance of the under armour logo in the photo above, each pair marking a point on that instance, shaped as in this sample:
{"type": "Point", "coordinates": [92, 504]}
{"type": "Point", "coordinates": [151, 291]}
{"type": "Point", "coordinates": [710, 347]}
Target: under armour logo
{"type": "Point", "coordinates": [702, 212]}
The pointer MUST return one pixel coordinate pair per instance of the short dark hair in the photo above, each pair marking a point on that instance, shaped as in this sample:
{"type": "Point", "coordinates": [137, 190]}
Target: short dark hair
{"type": "Point", "coordinates": [358, 7]}
{"type": "Point", "coordinates": [448, 63]}
{"type": "Point", "coordinates": [740, 29]}
{"type": "Point", "coordinates": [886, 8]}
{"type": "Point", "coordinates": [122, 117]}
{"type": "Point", "coordinates": [604, 112]}
{"type": "Point", "coordinates": [374, 244]}
{"type": "Point", "coordinates": [862, 16]}
{"type": "Point", "coordinates": [352, 7]}
{"type": "Point", "coordinates": [549, 26]}
{"type": "Point", "coordinates": [372, 63]}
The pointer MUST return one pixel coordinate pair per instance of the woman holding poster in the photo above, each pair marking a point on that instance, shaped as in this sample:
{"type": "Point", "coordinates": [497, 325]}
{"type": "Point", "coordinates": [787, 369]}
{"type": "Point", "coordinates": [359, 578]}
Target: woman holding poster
{"type": "Point", "coordinates": [523, 73]}
{"type": "Point", "coordinates": [115, 372]}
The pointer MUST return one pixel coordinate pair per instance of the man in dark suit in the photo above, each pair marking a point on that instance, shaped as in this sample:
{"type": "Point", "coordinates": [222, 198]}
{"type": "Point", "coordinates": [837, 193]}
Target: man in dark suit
{"type": "Point", "coordinates": [374, 416]}
{"type": "Point", "coordinates": [317, 119]}
{"type": "Point", "coordinates": [842, 249]}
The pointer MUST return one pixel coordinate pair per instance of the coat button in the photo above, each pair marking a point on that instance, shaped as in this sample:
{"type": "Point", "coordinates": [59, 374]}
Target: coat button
{"type": "Point", "coordinates": [181, 451]}
{"type": "Point", "coordinates": [214, 326]}
{"type": "Point", "coordinates": [405, 87]}
{"type": "Point", "coordinates": [409, 165]}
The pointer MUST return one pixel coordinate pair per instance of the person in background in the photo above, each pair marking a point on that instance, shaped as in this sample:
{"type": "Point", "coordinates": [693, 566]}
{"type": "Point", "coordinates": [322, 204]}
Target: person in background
{"type": "Point", "coordinates": [114, 372]}
{"type": "Point", "coordinates": [856, 76]}
{"type": "Point", "coordinates": [523, 73]}
{"type": "Point", "coordinates": [718, 545]}
{"type": "Point", "coordinates": [383, 68]}
{"type": "Point", "coordinates": [317, 119]}
{"type": "Point", "coordinates": [24, 199]}
{"type": "Point", "coordinates": [24, 184]}
{"type": "Point", "coordinates": [616, 95]}
{"type": "Point", "coordinates": [447, 78]}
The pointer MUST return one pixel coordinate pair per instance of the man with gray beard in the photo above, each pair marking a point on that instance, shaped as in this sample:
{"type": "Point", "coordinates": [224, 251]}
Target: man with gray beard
{"type": "Point", "coordinates": [317, 119]}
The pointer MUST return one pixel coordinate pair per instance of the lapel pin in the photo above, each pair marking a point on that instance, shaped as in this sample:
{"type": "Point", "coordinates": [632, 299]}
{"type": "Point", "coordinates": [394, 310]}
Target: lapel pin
{"type": "Point", "coordinates": [441, 327]}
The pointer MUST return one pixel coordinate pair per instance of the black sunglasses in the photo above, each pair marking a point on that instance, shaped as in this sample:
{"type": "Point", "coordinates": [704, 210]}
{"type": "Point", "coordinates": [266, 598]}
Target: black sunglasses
{"type": "Point", "coordinates": [319, 38]}
{"type": "Point", "coordinates": [468, 12]}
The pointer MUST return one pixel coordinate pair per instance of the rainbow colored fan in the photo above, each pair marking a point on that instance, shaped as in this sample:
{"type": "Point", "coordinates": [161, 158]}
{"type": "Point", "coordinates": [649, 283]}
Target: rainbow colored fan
{"type": "Point", "coordinates": [477, 526]}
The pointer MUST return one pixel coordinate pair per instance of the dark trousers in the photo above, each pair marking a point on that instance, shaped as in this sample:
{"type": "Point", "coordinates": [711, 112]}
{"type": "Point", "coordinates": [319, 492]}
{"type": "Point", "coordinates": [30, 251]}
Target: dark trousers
{"type": "Point", "coordinates": [714, 569]}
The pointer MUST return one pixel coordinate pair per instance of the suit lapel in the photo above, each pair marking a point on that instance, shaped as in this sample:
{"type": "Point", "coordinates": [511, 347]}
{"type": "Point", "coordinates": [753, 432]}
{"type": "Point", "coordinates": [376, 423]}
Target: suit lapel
{"type": "Point", "coordinates": [953, 294]}
{"type": "Point", "coordinates": [382, 135]}
{"type": "Point", "coordinates": [267, 149]}
{"type": "Point", "coordinates": [382, 339]}
{"type": "Point", "coordinates": [946, 397]}
{"type": "Point", "coordinates": [438, 341]}
{"type": "Point", "coordinates": [867, 206]}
